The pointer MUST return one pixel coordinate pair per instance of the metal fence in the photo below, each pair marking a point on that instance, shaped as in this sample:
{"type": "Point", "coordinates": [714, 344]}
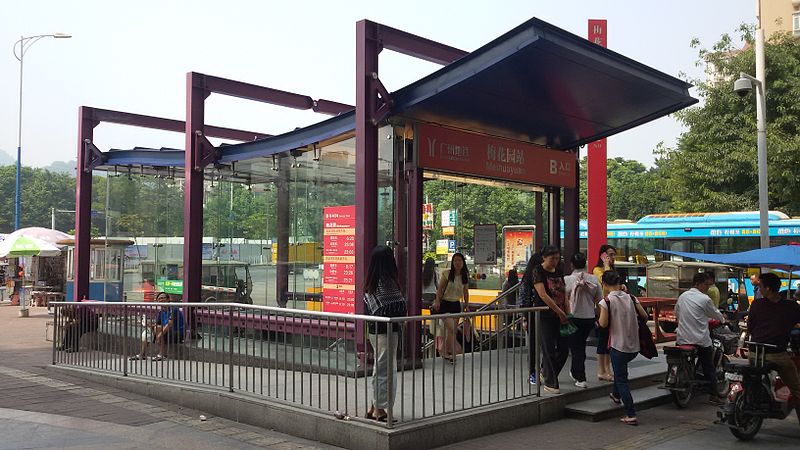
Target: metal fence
{"type": "Point", "coordinates": [327, 362]}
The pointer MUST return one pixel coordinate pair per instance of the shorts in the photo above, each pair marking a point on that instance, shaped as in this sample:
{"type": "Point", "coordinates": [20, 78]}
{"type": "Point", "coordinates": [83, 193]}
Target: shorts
{"type": "Point", "coordinates": [602, 341]}
{"type": "Point", "coordinates": [448, 307]}
{"type": "Point", "coordinates": [147, 335]}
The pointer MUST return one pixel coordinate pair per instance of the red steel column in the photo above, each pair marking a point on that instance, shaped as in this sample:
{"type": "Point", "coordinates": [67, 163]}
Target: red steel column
{"type": "Point", "coordinates": [596, 186]}
{"type": "Point", "coordinates": [366, 155]}
{"type": "Point", "coordinates": [83, 208]}
{"type": "Point", "coordinates": [572, 214]}
{"type": "Point", "coordinates": [193, 190]}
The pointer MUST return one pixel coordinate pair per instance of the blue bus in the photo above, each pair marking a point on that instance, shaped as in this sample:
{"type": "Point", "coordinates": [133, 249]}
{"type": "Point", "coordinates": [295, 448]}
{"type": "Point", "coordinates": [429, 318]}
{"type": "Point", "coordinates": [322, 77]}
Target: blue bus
{"type": "Point", "coordinates": [722, 232]}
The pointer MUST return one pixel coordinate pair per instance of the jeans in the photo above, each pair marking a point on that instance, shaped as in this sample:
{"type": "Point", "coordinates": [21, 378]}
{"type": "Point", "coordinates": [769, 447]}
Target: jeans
{"type": "Point", "coordinates": [555, 350]}
{"type": "Point", "coordinates": [706, 355]}
{"type": "Point", "coordinates": [619, 362]}
{"type": "Point", "coordinates": [577, 347]}
{"type": "Point", "coordinates": [382, 392]}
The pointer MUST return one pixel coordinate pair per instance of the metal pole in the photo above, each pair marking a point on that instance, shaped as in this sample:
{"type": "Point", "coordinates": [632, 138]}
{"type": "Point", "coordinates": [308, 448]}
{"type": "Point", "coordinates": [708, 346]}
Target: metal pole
{"type": "Point", "coordinates": [17, 192]}
{"type": "Point", "coordinates": [761, 110]}
{"type": "Point", "coordinates": [52, 218]}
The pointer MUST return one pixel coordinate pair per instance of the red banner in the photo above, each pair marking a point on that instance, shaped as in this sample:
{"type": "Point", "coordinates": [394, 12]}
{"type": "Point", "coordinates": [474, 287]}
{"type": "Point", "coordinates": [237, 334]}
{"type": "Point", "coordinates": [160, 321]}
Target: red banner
{"type": "Point", "coordinates": [597, 32]}
{"type": "Point", "coordinates": [339, 258]}
{"type": "Point", "coordinates": [491, 157]}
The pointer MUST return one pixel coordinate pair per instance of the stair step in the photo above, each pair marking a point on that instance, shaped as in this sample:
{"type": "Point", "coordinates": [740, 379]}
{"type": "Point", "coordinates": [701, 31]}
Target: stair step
{"type": "Point", "coordinates": [602, 408]}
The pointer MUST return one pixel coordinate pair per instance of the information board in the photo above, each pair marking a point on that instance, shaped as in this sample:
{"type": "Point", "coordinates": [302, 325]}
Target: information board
{"type": "Point", "coordinates": [485, 244]}
{"type": "Point", "coordinates": [339, 258]}
{"type": "Point", "coordinates": [518, 247]}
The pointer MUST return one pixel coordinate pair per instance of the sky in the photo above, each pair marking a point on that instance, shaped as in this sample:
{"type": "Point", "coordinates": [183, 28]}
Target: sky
{"type": "Point", "coordinates": [134, 56]}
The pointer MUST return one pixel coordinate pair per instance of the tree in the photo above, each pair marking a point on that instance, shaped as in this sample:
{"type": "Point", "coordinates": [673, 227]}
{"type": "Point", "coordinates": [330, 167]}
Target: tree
{"type": "Point", "coordinates": [713, 167]}
{"type": "Point", "coordinates": [633, 190]}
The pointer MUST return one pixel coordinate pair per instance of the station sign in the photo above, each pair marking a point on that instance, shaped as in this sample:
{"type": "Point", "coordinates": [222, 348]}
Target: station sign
{"type": "Point", "coordinates": [492, 157]}
{"type": "Point", "coordinates": [448, 231]}
{"type": "Point", "coordinates": [449, 218]}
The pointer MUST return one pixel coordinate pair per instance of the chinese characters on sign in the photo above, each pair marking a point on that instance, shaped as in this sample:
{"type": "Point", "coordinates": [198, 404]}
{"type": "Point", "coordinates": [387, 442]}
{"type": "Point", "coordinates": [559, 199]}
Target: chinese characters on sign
{"type": "Point", "coordinates": [518, 247]}
{"type": "Point", "coordinates": [339, 258]}
{"type": "Point", "coordinates": [487, 156]}
{"type": "Point", "coordinates": [427, 216]}
{"type": "Point", "coordinates": [485, 244]}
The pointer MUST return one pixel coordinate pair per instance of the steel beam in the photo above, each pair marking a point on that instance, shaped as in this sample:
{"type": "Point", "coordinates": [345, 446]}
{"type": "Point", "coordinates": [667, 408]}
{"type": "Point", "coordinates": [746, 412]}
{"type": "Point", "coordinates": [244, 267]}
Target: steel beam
{"type": "Point", "coordinates": [416, 46]}
{"type": "Point", "coordinates": [83, 206]}
{"type": "Point", "coordinates": [538, 221]}
{"type": "Point", "coordinates": [366, 159]}
{"type": "Point", "coordinates": [193, 189]}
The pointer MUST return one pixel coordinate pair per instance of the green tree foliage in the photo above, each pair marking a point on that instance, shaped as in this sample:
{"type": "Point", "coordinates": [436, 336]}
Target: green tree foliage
{"type": "Point", "coordinates": [633, 190]}
{"type": "Point", "coordinates": [713, 167]}
{"type": "Point", "coordinates": [41, 190]}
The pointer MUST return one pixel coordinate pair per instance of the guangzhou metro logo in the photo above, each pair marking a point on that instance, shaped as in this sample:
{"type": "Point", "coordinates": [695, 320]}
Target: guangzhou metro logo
{"type": "Point", "coordinates": [560, 167]}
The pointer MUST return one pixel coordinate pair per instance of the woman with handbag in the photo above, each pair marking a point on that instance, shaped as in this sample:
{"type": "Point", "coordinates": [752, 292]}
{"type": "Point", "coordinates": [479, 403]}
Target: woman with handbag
{"type": "Point", "coordinates": [453, 289]}
{"type": "Point", "coordinates": [382, 297]}
{"type": "Point", "coordinates": [618, 313]}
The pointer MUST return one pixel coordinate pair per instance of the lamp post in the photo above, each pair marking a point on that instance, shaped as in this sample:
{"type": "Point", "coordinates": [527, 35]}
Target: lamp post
{"type": "Point", "coordinates": [743, 86]}
{"type": "Point", "coordinates": [20, 47]}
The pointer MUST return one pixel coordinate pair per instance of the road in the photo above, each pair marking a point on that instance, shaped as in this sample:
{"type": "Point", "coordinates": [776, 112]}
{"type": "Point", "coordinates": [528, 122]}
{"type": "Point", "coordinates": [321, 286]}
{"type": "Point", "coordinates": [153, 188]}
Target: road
{"type": "Point", "coordinates": [661, 428]}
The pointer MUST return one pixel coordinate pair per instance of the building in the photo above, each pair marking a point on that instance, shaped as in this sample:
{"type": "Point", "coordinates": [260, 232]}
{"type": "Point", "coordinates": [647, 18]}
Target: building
{"type": "Point", "coordinates": [779, 16]}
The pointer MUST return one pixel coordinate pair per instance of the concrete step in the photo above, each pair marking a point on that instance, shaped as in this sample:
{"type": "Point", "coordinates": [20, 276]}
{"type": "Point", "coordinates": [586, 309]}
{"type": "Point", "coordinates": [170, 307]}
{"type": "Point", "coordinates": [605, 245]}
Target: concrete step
{"type": "Point", "coordinates": [602, 408]}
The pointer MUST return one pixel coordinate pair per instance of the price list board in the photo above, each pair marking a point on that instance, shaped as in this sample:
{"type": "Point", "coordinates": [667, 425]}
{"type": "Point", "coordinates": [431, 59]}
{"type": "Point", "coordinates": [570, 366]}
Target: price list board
{"type": "Point", "coordinates": [339, 258]}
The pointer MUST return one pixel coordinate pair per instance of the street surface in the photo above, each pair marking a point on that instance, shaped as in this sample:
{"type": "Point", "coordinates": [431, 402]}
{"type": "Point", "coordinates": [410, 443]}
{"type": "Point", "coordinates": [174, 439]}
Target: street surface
{"type": "Point", "coordinates": [663, 428]}
{"type": "Point", "coordinates": [45, 409]}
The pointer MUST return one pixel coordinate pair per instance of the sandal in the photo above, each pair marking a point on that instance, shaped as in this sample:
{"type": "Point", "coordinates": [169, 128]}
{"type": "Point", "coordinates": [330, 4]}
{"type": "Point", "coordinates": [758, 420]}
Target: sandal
{"type": "Point", "coordinates": [605, 377]}
{"type": "Point", "coordinates": [629, 421]}
{"type": "Point", "coordinates": [616, 400]}
{"type": "Point", "coordinates": [385, 418]}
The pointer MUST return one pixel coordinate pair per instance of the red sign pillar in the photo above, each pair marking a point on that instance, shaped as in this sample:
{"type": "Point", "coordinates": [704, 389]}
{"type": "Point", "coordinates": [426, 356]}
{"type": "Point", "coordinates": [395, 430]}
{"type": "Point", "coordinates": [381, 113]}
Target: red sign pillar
{"type": "Point", "coordinates": [596, 185]}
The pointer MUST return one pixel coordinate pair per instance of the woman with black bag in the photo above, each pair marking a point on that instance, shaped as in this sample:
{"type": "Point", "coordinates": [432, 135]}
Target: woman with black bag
{"type": "Point", "coordinates": [618, 313]}
{"type": "Point", "coordinates": [382, 297]}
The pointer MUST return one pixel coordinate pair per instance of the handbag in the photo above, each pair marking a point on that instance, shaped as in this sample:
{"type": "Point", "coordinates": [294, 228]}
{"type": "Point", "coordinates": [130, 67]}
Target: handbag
{"type": "Point", "coordinates": [647, 347]}
{"type": "Point", "coordinates": [568, 328]}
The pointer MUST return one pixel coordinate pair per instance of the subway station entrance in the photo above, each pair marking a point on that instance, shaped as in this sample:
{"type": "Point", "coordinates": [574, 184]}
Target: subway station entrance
{"type": "Point", "coordinates": [272, 247]}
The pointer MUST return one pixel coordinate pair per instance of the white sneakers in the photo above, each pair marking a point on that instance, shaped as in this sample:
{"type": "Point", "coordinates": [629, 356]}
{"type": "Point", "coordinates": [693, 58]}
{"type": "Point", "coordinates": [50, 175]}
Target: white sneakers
{"type": "Point", "coordinates": [581, 384]}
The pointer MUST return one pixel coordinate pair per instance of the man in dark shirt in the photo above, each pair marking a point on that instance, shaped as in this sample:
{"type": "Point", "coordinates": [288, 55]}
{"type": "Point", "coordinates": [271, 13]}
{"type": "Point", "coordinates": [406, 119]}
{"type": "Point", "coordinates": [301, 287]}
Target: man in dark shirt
{"type": "Point", "coordinates": [770, 322]}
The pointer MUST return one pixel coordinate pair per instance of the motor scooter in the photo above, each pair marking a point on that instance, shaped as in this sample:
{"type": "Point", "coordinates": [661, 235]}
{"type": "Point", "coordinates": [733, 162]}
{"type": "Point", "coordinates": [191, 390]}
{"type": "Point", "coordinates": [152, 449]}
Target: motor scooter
{"type": "Point", "coordinates": [685, 371]}
{"type": "Point", "coordinates": [756, 391]}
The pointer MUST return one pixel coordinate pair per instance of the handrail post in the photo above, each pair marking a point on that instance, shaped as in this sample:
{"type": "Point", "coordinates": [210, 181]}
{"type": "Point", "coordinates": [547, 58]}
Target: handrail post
{"type": "Point", "coordinates": [389, 372]}
{"type": "Point", "coordinates": [125, 341]}
{"type": "Point", "coordinates": [536, 351]}
{"type": "Point", "coordinates": [230, 349]}
{"type": "Point", "coordinates": [55, 332]}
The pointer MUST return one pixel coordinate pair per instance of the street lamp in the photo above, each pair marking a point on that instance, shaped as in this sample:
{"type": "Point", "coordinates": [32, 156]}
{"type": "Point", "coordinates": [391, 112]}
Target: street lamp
{"type": "Point", "coordinates": [742, 87]}
{"type": "Point", "coordinates": [20, 47]}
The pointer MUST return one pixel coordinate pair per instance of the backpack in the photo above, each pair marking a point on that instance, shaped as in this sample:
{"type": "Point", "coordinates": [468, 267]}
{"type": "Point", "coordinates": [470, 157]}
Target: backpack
{"type": "Point", "coordinates": [387, 301]}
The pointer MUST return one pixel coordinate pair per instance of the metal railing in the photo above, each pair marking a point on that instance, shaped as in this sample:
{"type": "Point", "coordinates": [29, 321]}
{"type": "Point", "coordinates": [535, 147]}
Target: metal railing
{"type": "Point", "coordinates": [306, 358]}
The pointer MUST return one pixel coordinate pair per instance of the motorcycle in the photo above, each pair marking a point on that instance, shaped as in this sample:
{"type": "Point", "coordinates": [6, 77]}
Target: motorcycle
{"type": "Point", "coordinates": [757, 392]}
{"type": "Point", "coordinates": [685, 371]}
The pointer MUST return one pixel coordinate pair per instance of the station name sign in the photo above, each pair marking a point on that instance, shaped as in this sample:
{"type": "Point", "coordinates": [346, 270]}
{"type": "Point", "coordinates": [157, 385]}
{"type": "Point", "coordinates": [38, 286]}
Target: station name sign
{"type": "Point", "coordinates": [482, 156]}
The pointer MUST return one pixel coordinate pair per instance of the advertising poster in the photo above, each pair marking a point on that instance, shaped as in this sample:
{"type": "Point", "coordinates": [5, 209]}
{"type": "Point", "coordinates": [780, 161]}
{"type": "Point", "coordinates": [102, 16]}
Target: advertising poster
{"type": "Point", "coordinates": [339, 258]}
{"type": "Point", "coordinates": [485, 244]}
{"type": "Point", "coordinates": [427, 216]}
{"type": "Point", "coordinates": [442, 246]}
{"type": "Point", "coordinates": [518, 247]}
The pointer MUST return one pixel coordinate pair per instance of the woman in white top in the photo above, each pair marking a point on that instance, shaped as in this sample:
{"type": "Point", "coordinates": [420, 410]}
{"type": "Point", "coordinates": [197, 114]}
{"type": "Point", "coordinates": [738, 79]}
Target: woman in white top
{"type": "Point", "coordinates": [618, 313]}
{"type": "Point", "coordinates": [453, 289]}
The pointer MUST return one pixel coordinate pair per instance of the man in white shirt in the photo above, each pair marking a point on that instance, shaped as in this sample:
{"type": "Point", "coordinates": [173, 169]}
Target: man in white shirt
{"type": "Point", "coordinates": [583, 294]}
{"type": "Point", "coordinates": [693, 311]}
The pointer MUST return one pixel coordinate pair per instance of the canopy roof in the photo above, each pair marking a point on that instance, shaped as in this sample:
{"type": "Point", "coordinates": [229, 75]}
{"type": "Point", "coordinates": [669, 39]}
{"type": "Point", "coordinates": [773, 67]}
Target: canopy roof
{"type": "Point", "coordinates": [784, 257]}
{"type": "Point", "coordinates": [537, 83]}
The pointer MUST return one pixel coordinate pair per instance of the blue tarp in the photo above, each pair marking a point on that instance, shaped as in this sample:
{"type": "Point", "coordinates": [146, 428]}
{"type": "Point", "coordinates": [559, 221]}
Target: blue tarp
{"type": "Point", "coordinates": [784, 257]}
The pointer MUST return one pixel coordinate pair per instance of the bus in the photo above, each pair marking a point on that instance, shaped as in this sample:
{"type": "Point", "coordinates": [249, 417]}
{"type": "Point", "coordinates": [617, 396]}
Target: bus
{"type": "Point", "coordinates": [722, 232]}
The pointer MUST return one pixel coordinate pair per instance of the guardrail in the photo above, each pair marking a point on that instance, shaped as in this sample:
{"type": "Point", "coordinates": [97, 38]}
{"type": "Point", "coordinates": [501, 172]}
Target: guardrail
{"type": "Point", "coordinates": [307, 358]}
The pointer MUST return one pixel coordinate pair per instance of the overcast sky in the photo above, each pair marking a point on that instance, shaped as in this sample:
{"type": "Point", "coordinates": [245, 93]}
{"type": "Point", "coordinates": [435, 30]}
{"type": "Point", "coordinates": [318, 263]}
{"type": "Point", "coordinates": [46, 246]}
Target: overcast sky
{"type": "Point", "coordinates": [134, 56]}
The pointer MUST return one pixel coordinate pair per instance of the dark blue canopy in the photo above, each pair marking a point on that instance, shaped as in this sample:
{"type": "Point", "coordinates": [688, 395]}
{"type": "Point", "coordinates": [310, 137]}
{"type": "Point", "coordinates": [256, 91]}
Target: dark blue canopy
{"type": "Point", "coordinates": [785, 257]}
